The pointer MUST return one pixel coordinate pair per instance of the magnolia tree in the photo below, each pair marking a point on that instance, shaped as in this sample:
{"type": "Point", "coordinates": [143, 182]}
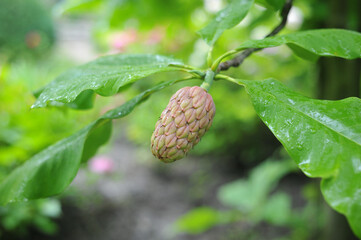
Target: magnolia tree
{"type": "Point", "coordinates": [323, 137]}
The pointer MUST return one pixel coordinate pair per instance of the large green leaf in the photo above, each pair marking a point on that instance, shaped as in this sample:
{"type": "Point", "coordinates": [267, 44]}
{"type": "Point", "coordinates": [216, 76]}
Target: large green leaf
{"type": "Point", "coordinates": [52, 170]}
{"type": "Point", "coordinates": [323, 137]}
{"type": "Point", "coordinates": [104, 76]}
{"type": "Point", "coordinates": [322, 42]}
{"type": "Point", "coordinates": [225, 19]}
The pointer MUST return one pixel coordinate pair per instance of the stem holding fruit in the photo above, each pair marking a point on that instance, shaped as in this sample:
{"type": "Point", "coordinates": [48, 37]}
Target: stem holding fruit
{"type": "Point", "coordinates": [208, 80]}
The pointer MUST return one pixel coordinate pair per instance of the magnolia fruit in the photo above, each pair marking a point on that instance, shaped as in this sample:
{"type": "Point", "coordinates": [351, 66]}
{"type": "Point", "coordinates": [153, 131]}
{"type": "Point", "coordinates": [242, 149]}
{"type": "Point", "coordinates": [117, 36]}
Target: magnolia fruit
{"type": "Point", "coordinates": [183, 122]}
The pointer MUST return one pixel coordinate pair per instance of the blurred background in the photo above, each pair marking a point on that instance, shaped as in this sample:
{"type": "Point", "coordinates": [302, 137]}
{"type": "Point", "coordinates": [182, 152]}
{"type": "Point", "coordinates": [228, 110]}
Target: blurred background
{"type": "Point", "coordinates": [238, 182]}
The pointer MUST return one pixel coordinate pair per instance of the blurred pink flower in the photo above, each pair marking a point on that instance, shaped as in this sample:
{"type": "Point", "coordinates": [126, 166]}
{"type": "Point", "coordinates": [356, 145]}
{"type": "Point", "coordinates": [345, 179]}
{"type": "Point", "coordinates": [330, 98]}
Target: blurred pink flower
{"type": "Point", "coordinates": [155, 36]}
{"type": "Point", "coordinates": [101, 164]}
{"type": "Point", "coordinates": [123, 39]}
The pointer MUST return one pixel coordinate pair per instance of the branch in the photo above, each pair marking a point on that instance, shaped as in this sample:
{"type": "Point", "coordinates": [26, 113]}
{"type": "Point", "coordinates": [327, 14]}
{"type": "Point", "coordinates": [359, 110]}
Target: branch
{"type": "Point", "coordinates": [238, 60]}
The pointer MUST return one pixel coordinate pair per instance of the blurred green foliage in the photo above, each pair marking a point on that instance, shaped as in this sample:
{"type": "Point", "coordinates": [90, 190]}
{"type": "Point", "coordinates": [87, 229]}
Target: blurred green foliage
{"type": "Point", "coordinates": [24, 132]}
{"type": "Point", "coordinates": [144, 13]}
{"type": "Point", "coordinates": [260, 198]}
{"type": "Point", "coordinates": [26, 33]}
{"type": "Point", "coordinates": [17, 219]}
{"type": "Point", "coordinates": [25, 28]}
{"type": "Point", "coordinates": [202, 219]}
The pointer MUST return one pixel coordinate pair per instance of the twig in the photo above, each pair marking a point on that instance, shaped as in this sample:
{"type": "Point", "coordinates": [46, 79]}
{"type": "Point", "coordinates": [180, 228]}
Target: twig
{"type": "Point", "coordinates": [238, 60]}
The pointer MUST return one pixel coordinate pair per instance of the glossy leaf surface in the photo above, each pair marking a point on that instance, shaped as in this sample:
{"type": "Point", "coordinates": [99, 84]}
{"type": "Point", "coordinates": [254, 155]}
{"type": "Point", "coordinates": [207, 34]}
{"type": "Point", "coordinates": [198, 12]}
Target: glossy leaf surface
{"type": "Point", "coordinates": [323, 137]}
{"type": "Point", "coordinates": [323, 42]}
{"type": "Point", "coordinates": [104, 76]}
{"type": "Point", "coordinates": [227, 18]}
{"type": "Point", "coordinates": [49, 172]}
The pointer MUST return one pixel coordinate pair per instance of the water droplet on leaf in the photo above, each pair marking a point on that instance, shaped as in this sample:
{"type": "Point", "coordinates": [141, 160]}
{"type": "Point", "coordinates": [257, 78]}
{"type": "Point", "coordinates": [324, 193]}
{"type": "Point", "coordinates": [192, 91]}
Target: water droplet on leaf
{"type": "Point", "coordinates": [299, 146]}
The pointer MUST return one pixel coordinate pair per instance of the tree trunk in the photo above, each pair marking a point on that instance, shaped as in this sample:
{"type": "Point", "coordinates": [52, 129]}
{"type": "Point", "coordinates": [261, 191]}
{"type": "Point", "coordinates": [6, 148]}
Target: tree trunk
{"type": "Point", "coordinates": [339, 78]}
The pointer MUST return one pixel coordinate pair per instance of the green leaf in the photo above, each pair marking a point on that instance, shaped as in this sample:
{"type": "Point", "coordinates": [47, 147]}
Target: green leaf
{"type": "Point", "coordinates": [104, 76]}
{"type": "Point", "coordinates": [272, 4]}
{"type": "Point", "coordinates": [276, 4]}
{"type": "Point", "coordinates": [249, 194]}
{"type": "Point", "coordinates": [323, 42]}
{"type": "Point", "coordinates": [45, 224]}
{"type": "Point", "coordinates": [303, 53]}
{"type": "Point", "coordinates": [198, 220]}
{"type": "Point", "coordinates": [323, 137]}
{"type": "Point", "coordinates": [201, 219]}
{"type": "Point", "coordinates": [49, 172]}
{"type": "Point", "coordinates": [79, 6]}
{"type": "Point", "coordinates": [277, 209]}
{"type": "Point", "coordinates": [225, 19]}
{"type": "Point", "coordinates": [83, 101]}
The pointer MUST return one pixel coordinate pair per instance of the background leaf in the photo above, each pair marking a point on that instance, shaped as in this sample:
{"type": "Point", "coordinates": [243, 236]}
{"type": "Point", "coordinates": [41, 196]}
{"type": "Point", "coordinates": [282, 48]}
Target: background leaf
{"type": "Point", "coordinates": [201, 219]}
{"type": "Point", "coordinates": [261, 182]}
{"type": "Point", "coordinates": [225, 19]}
{"type": "Point", "coordinates": [104, 76]}
{"type": "Point", "coordinates": [323, 137]}
{"type": "Point", "coordinates": [323, 42]}
{"type": "Point", "coordinates": [52, 170]}
{"type": "Point", "coordinates": [277, 209]}
{"type": "Point", "coordinates": [198, 220]}
{"type": "Point", "coordinates": [247, 198]}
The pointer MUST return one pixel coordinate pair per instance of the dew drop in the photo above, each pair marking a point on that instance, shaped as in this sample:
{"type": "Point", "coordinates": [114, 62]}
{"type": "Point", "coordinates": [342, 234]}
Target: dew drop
{"type": "Point", "coordinates": [291, 101]}
{"type": "Point", "coordinates": [288, 122]}
{"type": "Point", "coordinates": [305, 166]}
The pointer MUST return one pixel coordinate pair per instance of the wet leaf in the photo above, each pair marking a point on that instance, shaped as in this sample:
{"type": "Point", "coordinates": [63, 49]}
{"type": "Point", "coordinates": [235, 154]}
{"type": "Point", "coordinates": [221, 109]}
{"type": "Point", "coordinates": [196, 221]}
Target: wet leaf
{"type": "Point", "coordinates": [227, 18]}
{"type": "Point", "coordinates": [104, 76]}
{"type": "Point", "coordinates": [323, 137]}
{"type": "Point", "coordinates": [323, 42]}
{"type": "Point", "coordinates": [49, 172]}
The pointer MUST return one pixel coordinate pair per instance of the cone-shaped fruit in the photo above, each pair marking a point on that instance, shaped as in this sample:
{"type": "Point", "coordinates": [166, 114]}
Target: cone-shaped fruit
{"type": "Point", "coordinates": [184, 121]}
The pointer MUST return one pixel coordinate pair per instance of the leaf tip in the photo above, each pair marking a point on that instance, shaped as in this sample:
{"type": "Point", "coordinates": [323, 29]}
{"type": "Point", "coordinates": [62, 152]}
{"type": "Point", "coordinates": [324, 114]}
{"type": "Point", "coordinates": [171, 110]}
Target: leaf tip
{"type": "Point", "coordinates": [38, 104]}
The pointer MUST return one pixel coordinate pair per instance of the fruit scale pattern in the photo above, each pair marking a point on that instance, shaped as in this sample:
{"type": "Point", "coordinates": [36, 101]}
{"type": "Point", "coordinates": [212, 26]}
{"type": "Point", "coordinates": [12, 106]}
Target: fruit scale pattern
{"type": "Point", "coordinates": [184, 121]}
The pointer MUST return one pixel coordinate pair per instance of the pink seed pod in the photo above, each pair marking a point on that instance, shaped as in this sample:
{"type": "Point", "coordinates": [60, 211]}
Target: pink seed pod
{"type": "Point", "coordinates": [183, 122]}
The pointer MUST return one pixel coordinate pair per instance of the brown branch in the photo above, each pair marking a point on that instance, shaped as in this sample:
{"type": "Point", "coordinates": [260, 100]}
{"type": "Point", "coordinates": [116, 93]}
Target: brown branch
{"type": "Point", "coordinates": [238, 60]}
